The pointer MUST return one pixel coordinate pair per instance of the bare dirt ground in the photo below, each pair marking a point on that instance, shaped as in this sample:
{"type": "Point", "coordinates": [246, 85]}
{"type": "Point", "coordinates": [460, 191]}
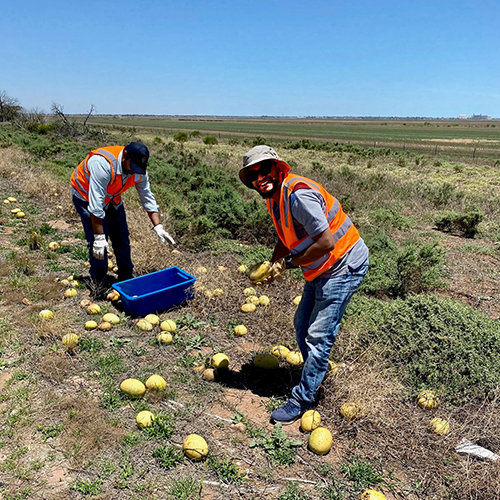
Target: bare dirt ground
{"type": "Point", "coordinates": [66, 387]}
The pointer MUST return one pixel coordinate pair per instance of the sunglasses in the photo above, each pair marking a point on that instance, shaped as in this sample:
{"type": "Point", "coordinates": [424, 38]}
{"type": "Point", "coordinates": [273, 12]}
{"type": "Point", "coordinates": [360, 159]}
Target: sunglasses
{"type": "Point", "coordinates": [265, 169]}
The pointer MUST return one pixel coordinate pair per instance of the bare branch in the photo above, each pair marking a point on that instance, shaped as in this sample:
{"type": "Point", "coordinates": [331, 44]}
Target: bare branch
{"type": "Point", "coordinates": [92, 107]}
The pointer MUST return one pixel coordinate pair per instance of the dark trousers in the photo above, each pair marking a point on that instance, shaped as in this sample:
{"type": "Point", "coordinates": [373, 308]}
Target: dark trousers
{"type": "Point", "coordinates": [116, 230]}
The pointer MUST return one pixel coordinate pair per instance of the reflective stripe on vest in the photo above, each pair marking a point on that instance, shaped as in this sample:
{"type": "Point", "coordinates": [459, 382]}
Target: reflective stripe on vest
{"type": "Point", "coordinates": [80, 178]}
{"type": "Point", "coordinates": [345, 234]}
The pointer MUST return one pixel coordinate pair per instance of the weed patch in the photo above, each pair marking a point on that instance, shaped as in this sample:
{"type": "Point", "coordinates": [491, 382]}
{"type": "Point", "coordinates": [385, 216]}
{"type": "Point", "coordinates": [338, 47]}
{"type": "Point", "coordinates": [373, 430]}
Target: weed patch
{"type": "Point", "coordinates": [168, 457]}
{"type": "Point", "coordinates": [278, 446]}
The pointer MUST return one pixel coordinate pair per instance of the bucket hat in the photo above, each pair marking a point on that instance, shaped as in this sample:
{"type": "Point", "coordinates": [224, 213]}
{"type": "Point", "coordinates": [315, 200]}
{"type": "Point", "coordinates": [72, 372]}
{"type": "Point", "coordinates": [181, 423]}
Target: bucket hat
{"type": "Point", "coordinates": [257, 155]}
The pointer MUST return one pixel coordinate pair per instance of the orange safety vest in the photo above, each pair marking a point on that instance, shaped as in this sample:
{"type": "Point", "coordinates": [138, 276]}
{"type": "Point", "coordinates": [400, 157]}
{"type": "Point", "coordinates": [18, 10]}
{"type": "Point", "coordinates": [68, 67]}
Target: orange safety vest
{"type": "Point", "coordinates": [345, 234]}
{"type": "Point", "coordinates": [80, 178]}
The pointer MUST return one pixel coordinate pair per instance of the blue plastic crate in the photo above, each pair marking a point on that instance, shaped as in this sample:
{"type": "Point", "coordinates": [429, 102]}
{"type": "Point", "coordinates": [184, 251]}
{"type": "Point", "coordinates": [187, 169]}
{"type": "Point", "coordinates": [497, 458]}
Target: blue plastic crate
{"type": "Point", "coordinates": [156, 291]}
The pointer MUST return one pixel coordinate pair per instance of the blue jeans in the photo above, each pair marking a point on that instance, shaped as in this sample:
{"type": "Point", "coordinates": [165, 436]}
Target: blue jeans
{"type": "Point", "coordinates": [116, 230]}
{"type": "Point", "coordinates": [316, 322]}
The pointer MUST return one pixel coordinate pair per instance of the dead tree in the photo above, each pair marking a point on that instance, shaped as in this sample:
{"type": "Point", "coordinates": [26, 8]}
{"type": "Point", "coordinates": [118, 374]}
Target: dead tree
{"type": "Point", "coordinates": [71, 128]}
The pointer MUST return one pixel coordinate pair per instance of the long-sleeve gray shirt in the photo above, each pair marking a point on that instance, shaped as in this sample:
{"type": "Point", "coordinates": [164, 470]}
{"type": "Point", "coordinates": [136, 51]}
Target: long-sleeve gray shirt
{"type": "Point", "coordinates": [100, 177]}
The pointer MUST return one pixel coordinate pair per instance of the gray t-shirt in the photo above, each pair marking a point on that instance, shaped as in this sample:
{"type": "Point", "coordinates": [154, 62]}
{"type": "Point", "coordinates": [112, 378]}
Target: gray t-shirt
{"type": "Point", "coordinates": [308, 214]}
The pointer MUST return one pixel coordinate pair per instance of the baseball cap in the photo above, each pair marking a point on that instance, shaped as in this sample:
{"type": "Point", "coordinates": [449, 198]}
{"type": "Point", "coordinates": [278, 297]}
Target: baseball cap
{"type": "Point", "coordinates": [138, 154]}
{"type": "Point", "coordinates": [257, 155]}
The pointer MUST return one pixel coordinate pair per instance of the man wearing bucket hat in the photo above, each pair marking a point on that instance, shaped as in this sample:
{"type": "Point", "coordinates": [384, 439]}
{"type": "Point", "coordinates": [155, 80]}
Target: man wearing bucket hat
{"type": "Point", "coordinates": [97, 185]}
{"type": "Point", "coordinates": [317, 235]}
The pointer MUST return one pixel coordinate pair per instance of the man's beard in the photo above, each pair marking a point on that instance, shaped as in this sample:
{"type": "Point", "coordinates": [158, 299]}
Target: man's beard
{"type": "Point", "coordinates": [269, 194]}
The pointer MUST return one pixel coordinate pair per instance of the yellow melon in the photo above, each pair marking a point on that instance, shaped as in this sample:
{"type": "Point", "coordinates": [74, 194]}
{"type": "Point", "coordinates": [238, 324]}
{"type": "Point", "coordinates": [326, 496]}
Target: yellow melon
{"type": "Point", "coordinates": [70, 340]}
{"type": "Point", "coordinates": [144, 325]}
{"type": "Point", "coordinates": [53, 245]}
{"type": "Point", "coordinates": [253, 299]}
{"type": "Point", "coordinates": [93, 309]}
{"type": "Point", "coordinates": [12, 199]}
{"type": "Point", "coordinates": [90, 325]}
{"type": "Point", "coordinates": [372, 495]}
{"type": "Point", "coordinates": [333, 368]}
{"type": "Point", "coordinates": [153, 319]}
{"type": "Point", "coordinates": [249, 291]}
{"type": "Point", "coordinates": [352, 411]}
{"type": "Point", "coordinates": [310, 420]}
{"type": "Point", "coordinates": [144, 419]}
{"type": "Point", "coordinates": [264, 300]}
{"type": "Point", "coordinates": [105, 326]}
{"type": "Point", "coordinates": [242, 269]}
{"type": "Point", "coordinates": [248, 308]}
{"type": "Point", "coordinates": [133, 388]}
{"type": "Point", "coordinates": [195, 447]}
{"type": "Point", "coordinates": [266, 361]}
{"type": "Point", "coordinates": [70, 292]}
{"type": "Point", "coordinates": [440, 426]}
{"type": "Point", "coordinates": [165, 338]}
{"type": "Point", "coordinates": [320, 441]}
{"type": "Point", "coordinates": [294, 358]}
{"type": "Point", "coordinates": [168, 326]}
{"type": "Point", "coordinates": [45, 314]}
{"type": "Point", "coordinates": [156, 383]}
{"type": "Point", "coordinates": [260, 271]}
{"type": "Point", "coordinates": [428, 400]}
{"type": "Point", "coordinates": [240, 330]}
{"type": "Point", "coordinates": [113, 296]}
{"type": "Point", "coordinates": [111, 318]}
{"type": "Point", "coordinates": [280, 351]}
{"type": "Point", "coordinates": [20, 215]}
{"type": "Point", "coordinates": [220, 361]}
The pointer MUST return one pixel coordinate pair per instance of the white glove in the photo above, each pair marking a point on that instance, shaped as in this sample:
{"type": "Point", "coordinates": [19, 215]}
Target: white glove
{"type": "Point", "coordinates": [100, 246]}
{"type": "Point", "coordinates": [163, 235]}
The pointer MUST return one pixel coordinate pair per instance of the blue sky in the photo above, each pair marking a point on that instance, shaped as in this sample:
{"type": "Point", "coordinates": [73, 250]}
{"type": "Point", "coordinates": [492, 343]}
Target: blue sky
{"type": "Point", "coordinates": [436, 58]}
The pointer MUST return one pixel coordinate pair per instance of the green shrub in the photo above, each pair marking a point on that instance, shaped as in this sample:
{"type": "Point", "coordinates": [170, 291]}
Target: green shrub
{"type": "Point", "coordinates": [181, 137]}
{"type": "Point", "coordinates": [387, 217]}
{"type": "Point", "coordinates": [206, 204]}
{"type": "Point", "coordinates": [437, 343]}
{"type": "Point", "coordinates": [465, 223]}
{"type": "Point", "coordinates": [396, 272]}
{"type": "Point", "coordinates": [210, 140]}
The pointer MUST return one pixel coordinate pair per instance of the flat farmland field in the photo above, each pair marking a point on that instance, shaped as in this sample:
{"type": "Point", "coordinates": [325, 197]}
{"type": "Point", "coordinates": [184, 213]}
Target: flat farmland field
{"type": "Point", "coordinates": [463, 140]}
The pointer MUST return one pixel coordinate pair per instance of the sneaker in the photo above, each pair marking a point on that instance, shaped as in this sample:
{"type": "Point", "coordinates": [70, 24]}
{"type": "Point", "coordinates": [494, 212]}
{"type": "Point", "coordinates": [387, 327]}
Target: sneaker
{"type": "Point", "coordinates": [287, 413]}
